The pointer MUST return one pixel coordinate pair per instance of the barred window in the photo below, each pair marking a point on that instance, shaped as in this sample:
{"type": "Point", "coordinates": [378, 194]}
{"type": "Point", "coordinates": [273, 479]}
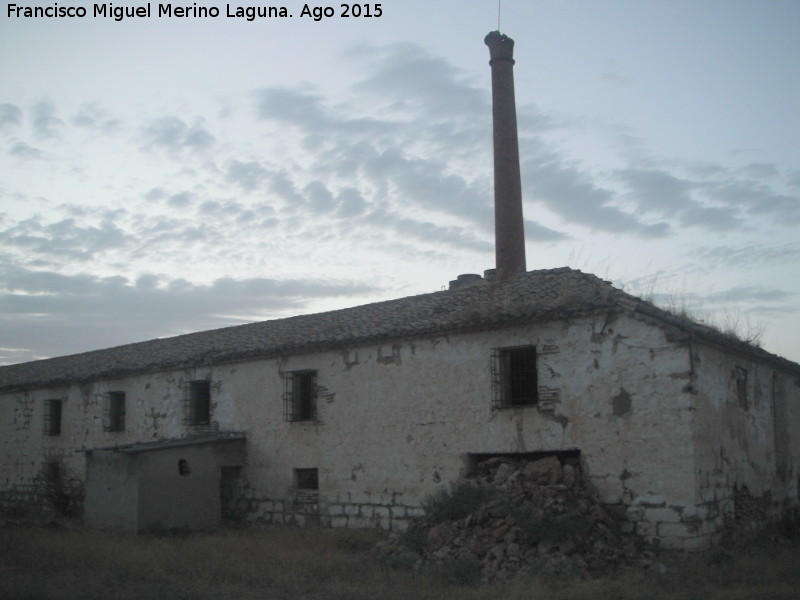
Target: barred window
{"type": "Point", "coordinates": [52, 417]}
{"type": "Point", "coordinates": [514, 381]}
{"type": "Point", "coordinates": [306, 479]}
{"type": "Point", "coordinates": [197, 403]}
{"type": "Point", "coordinates": [300, 396]}
{"type": "Point", "coordinates": [114, 411]}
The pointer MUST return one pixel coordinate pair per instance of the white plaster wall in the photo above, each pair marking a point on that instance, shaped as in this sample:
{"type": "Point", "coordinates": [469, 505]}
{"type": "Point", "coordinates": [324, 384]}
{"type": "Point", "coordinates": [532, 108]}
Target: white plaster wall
{"type": "Point", "coordinates": [736, 446]}
{"type": "Point", "coordinates": [396, 420]}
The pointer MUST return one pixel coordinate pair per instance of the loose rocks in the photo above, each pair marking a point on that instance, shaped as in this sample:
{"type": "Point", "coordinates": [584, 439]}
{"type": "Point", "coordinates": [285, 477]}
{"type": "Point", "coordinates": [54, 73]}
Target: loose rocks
{"type": "Point", "coordinates": [518, 516]}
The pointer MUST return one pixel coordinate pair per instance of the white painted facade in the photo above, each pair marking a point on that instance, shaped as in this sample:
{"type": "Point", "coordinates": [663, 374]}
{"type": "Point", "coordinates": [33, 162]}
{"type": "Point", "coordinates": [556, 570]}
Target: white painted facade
{"type": "Point", "coordinates": [659, 423]}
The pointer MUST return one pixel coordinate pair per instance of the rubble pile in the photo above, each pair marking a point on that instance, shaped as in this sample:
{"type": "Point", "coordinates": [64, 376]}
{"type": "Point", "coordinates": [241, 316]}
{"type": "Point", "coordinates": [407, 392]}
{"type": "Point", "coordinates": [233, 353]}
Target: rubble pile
{"type": "Point", "coordinates": [513, 516]}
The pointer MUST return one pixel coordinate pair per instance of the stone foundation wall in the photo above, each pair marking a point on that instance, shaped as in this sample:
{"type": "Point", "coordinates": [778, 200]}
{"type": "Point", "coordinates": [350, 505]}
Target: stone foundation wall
{"type": "Point", "coordinates": [331, 512]}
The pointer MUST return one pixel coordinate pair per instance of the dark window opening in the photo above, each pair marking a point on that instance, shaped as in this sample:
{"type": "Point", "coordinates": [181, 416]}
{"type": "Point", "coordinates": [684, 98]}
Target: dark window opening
{"type": "Point", "coordinates": [199, 402]}
{"type": "Point", "coordinates": [233, 499]}
{"type": "Point", "coordinates": [55, 489]}
{"type": "Point", "coordinates": [740, 376]}
{"type": "Point", "coordinates": [300, 396]}
{"type": "Point", "coordinates": [52, 417]}
{"type": "Point", "coordinates": [306, 479]}
{"type": "Point", "coordinates": [514, 381]}
{"type": "Point", "coordinates": [52, 474]}
{"type": "Point", "coordinates": [565, 457]}
{"type": "Point", "coordinates": [183, 467]}
{"type": "Point", "coordinates": [115, 411]}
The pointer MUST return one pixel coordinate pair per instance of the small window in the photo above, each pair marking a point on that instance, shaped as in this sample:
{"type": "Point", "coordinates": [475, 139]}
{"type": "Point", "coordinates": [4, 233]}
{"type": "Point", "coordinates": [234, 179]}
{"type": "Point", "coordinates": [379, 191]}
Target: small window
{"type": "Point", "coordinates": [514, 381]}
{"type": "Point", "coordinates": [183, 467]}
{"type": "Point", "coordinates": [115, 411]}
{"type": "Point", "coordinates": [52, 417]}
{"type": "Point", "coordinates": [306, 479]}
{"type": "Point", "coordinates": [52, 474]}
{"type": "Point", "coordinates": [300, 396]}
{"type": "Point", "coordinates": [740, 376]}
{"type": "Point", "coordinates": [198, 403]}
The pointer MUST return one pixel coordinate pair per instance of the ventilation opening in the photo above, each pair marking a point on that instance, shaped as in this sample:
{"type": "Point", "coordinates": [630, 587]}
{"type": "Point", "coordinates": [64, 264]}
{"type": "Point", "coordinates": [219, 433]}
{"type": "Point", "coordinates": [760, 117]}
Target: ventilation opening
{"type": "Point", "coordinates": [565, 457]}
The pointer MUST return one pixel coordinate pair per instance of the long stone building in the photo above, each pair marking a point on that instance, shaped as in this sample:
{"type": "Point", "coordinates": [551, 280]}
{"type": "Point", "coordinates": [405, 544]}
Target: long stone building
{"type": "Point", "coordinates": [351, 418]}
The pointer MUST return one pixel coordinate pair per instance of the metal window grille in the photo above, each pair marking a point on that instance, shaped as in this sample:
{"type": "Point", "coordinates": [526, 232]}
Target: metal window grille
{"type": "Point", "coordinates": [52, 417]}
{"type": "Point", "coordinates": [197, 402]}
{"type": "Point", "coordinates": [306, 479]}
{"type": "Point", "coordinates": [514, 381]}
{"type": "Point", "coordinates": [306, 483]}
{"type": "Point", "coordinates": [300, 396]}
{"type": "Point", "coordinates": [114, 411]}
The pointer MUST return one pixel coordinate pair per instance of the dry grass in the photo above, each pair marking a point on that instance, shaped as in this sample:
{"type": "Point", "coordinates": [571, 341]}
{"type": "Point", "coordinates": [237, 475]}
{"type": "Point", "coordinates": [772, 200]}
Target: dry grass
{"type": "Point", "coordinates": [54, 564]}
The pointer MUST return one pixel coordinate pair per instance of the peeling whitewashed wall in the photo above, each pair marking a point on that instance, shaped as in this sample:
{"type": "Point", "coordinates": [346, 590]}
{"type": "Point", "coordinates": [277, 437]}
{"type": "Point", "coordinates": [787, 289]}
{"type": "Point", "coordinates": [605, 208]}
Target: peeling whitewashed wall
{"type": "Point", "coordinates": [398, 421]}
{"type": "Point", "coordinates": [746, 460]}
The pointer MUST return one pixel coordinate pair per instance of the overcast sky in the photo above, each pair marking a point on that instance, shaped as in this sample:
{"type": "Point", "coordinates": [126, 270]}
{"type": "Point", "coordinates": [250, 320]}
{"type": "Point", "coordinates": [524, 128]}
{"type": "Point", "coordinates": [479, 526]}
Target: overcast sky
{"type": "Point", "coordinates": [166, 175]}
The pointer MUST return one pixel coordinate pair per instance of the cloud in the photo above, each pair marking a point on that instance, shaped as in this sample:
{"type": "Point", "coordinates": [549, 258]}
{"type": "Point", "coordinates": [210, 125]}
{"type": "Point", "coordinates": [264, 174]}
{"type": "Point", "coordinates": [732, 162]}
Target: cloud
{"type": "Point", "coordinates": [10, 114]}
{"type": "Point", "coordinates": [756, 198]}
{"type": "Point", "coordinates": [534, 232]}
{"type": "Point", "coordinates": [247, 175]}
{"type": "Point", "coordinates": [746, 256]}
{"type": "Point", "coordinates": [750, 293]}
{"type": "Point", "coordinates": [92, 116]}
{"type": "Point", "coordinates": [36, 303]}
{"type": "Point", "coordinates": [457, 237]}
{"type": "Point", "coordinates": [180, 200]}
{"type": "Point", "coordinates": [657, 191]}
{"type": "Point", "coordinates": [350, 203]}
{"type": "Point", "coordinates": [23, 150]}
{"type": "Point", "coordinates": [63, 240]}
{"type": "Point", "coordinates": [713, 218]}
{"type": "Point", "coordinates": [173, 135]}
{"type": "Point", "coordinates": [45, 122]}
{"type": "Point", "coordinates": [418, 80]}
{"type": "Point", "coordinates": [574, 196]}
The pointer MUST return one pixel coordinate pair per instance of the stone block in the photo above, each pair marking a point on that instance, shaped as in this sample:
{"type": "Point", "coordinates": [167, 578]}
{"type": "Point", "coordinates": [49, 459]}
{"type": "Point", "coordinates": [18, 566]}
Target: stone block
{"type": "Point", "coordinates": [662, 515]}
{"type": "Point", "coordinates": [398, 512]}
{"type": "Point", "coordinates": [335, 510]}
{"type": "Point", "coordinates": [367, 510]}
{"type": "Point", "coordinates": [415, 512]}
{"type": "Point", "coordinates": [339, 522]}
{"type": "Point", "coordinates": [399, 525]}
{"type": "Point", "coordinates": [360, 523]}
{"type": "Point", "coordinates": [351, 510]}
{"type": "Point", "coordinates": [634, 513]}
{"type": "Point", "coordinates": [709, 495]}
{"type": "Point", "coordinates": [675, 530]}
{"type": "Point", "coordinates": [646, 529]}
{"type": "Point", "coordinates": [381, 512]}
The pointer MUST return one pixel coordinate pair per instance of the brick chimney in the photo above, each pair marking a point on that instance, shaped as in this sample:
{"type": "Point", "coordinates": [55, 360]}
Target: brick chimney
{"type": "Point", "coordinates": [508, 224]}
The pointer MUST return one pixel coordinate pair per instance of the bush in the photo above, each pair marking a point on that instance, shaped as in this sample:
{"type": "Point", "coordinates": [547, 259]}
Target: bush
{"type": "Point", "coordinates": [788, 525]}
{"type": "Point", "coordinates": [458, 502]}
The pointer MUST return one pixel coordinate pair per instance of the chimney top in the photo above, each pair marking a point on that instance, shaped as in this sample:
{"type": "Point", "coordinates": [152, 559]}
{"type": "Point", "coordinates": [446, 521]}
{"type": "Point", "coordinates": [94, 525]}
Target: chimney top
{"type": "Point", "coordinates": [501, 47]}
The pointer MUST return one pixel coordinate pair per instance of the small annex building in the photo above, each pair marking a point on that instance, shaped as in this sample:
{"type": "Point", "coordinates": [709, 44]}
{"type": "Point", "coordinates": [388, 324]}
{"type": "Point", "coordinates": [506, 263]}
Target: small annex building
{"type": "Point", "coordinates": [172, 484]}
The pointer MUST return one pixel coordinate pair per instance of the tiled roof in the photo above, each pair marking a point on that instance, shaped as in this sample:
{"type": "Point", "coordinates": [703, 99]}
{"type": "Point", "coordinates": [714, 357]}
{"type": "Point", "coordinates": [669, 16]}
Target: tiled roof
{"type": "Point", "coordinates": [532, 296]}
